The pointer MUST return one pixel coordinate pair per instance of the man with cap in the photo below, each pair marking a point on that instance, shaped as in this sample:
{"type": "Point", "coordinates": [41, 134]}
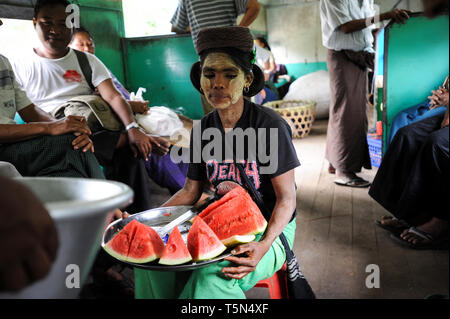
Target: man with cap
{"type": "Point", "coordinates": [224, 75]}
{"type": "Point", "coordinates": [195, 15]}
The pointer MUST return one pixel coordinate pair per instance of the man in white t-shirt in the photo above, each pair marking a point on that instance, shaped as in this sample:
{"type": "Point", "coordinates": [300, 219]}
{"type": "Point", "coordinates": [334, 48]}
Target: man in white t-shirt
{"type": "Point", "coordinates": [51, 75]}
{"type": "Point", "coordinates": [43, 146]}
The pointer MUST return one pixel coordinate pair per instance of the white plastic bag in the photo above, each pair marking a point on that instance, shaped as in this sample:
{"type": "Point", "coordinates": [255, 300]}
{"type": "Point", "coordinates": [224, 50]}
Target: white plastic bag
{"type": "Point", "coordinates": [160, 121]}
{"type": "Point", "coordinates": [314, 87]}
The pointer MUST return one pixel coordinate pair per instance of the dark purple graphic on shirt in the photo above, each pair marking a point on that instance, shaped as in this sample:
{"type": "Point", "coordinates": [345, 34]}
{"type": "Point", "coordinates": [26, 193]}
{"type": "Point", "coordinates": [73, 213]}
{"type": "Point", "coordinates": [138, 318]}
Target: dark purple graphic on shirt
{"type": "Point", "coordinates": [227, 171]}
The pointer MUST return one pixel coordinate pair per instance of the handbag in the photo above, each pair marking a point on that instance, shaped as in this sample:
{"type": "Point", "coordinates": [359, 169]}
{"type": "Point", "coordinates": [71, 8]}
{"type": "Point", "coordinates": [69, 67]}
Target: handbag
{"type": "Point", "coordinates": [93, 108]}
{"type": "Point", "coordinates": [298, 286]}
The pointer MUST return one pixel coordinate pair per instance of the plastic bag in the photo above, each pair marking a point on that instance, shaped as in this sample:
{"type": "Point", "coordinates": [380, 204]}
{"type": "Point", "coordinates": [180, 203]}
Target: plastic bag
{"type": "Point", "coordinates": [160, 121]}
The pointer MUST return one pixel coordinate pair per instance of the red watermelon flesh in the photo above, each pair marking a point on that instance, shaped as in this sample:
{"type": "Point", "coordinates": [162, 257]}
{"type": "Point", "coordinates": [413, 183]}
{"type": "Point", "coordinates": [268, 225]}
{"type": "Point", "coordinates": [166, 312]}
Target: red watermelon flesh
{"type": "Point", "coordinates": [202, 243]}
{"type": "Point", "coordinates": [239, 216]}
{"type": "Point", "coordinates": [136, 243]}
{"type": "Point", "coordinates": [175, 252]}
{"type": "Point", "coordinates": [119, 245]}
{"type": "Point", "coordinates": [146, 246]}
{"type": "Point", "coordinates": [237, 191]}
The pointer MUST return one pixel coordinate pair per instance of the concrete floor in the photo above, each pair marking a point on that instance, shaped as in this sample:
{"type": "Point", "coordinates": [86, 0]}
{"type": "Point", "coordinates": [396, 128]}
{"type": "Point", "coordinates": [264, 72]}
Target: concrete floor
{"type": "Point", "coordinates": [337, 239]}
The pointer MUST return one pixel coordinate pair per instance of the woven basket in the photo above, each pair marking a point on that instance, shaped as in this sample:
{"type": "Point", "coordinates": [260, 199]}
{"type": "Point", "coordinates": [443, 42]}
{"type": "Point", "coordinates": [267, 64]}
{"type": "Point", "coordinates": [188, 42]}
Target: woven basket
{"type": "Point", "coordinates": [299, 114]}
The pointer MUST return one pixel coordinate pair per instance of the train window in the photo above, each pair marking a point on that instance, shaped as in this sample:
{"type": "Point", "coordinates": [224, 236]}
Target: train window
{"type": "Point", "coordinates": [148, 18]}
{"type": "Point", "coordinates": [11, 31]}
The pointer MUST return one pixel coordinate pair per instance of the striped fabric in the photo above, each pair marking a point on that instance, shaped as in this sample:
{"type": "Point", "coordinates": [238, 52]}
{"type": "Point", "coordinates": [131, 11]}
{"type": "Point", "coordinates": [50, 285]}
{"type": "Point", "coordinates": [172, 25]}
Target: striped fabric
{"type": "Point", "coordinates": [201, 14]}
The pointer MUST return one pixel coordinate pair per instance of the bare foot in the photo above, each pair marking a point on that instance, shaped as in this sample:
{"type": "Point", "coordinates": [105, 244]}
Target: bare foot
{"type": "Point", "coordinates": [393, 222]}
{"type": "Point", "coordinates": [435, 227]}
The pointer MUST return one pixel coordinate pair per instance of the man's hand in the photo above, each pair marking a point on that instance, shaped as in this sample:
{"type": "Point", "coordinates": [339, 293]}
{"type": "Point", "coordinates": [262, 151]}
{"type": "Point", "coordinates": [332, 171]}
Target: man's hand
{"type": "Point", "coordinates": [254, 252]}
{"type": "Point", "coordinates": [82, 141]}
{"type": "Point", "coordinates": [438, 98]}
{"type": "Point", "coordinates": [160, 145]}
{"type": "Point", "coordinates": [28, 237]}
{"type": "Point", "coordinates": [139, 106]}
{"type": "Point", "coordinates": [398, 15]}
{"type": "Point", "coordinates": [70, 124]}
{"type": "Point", "coordinates": [140, 143]}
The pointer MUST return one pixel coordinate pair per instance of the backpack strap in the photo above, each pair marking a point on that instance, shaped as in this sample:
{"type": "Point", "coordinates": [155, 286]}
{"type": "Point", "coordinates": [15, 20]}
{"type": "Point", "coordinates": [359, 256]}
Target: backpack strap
{"type": "Point", "coordinates": [85, 67]}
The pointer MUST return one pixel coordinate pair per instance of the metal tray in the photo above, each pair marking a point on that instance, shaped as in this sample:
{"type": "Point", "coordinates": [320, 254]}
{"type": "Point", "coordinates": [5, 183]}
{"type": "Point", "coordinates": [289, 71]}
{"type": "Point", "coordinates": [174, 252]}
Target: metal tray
{"type": "Point", "coordinates": [157, 218]}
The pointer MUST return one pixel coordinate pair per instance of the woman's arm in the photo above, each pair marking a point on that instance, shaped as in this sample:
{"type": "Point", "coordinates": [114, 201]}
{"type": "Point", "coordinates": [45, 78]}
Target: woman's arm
{"type": "Point", "coordinates": [188, 195]}
{"type": "Point", "coordinates": [284, 186]}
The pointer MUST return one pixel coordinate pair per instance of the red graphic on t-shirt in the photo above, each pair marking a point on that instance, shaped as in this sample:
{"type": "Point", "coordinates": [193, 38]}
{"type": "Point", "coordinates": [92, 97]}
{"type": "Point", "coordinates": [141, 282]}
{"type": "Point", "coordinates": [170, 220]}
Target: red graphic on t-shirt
{"type": "Point", "coordinates": [72, 76]}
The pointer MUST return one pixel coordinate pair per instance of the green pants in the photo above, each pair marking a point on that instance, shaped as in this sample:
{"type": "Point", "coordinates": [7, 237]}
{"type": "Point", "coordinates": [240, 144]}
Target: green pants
{"type": "Point", "coordinates": [209, 282]}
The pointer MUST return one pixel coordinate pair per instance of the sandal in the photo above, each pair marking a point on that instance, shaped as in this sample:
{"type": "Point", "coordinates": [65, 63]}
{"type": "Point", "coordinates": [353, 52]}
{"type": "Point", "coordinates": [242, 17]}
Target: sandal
{"type": "Point", "coordinates": [397, 231]}
{"type": "Point", "coordinates": [431, 242]}
{"type": "Point", "coordinates": [355, 182]}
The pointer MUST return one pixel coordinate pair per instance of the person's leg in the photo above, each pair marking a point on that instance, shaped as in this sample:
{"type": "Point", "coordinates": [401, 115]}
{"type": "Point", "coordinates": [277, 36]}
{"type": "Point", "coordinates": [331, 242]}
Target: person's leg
{"type": "Point", "coordinates": [347, 149]}
{"type": "Point", "coordinates": [166, 173]}
{"type": "Point", "coordinates": [159, 284]}
{"type": "Point", "coordinates": [51, 156]}
{"type": "Point", "coordinates": [127, 169]}
{"type": "Point", "coordinates": [395, 170]}
{"type": "Point", "coordinates": [427, 187]}
{"type": "Point", "coordinates": [210, 283]}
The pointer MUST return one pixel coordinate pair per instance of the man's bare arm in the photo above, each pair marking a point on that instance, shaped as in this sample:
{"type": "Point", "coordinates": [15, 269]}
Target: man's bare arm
{"type": "Point", "coordinates": [398, 15]}
{"type": "Point", "coordinates": [40, 124]}
{"type": "Point", "coordinates": [253, 8]}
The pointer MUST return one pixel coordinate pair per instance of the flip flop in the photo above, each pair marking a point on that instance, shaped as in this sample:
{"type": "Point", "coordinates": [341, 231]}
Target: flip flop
{"type": "Point", "coordinates": [392, 229]}
{"type": "Point", "coordinates": [355, 182]}
{"type": "Point", "coordinates": [433, 243]}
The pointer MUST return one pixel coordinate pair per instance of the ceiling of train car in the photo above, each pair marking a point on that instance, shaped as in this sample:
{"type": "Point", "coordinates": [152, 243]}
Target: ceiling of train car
{"type": "Point", "coordinates": [17, 9]}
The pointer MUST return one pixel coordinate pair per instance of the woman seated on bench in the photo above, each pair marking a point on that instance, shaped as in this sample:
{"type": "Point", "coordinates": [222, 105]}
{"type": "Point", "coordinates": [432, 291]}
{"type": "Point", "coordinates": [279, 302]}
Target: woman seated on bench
{"type": "Point", "coordinates": [413, 180]}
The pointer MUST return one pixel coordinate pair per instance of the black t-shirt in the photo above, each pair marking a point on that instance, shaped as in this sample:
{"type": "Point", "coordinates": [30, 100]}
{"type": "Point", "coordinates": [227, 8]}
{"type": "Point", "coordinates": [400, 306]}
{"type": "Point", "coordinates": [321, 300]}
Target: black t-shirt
{"type": "Point", "coordinates": [276, 144]}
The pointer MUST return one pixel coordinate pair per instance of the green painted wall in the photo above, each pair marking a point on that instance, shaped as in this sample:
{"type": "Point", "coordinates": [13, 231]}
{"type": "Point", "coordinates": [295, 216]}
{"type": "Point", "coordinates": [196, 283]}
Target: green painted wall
{"type": "Point", "coordinates": [104, 19]}
{"type": "Point", "coordinates": [300, 69]}
{"type": "Point", "coordinates": [162, 65]}
{"type": "Point", "coordinates": [416, 62]}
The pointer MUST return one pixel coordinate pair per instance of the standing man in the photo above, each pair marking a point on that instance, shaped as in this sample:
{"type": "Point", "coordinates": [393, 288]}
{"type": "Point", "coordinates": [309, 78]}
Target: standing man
{"type": "Point", "coordinates": [347, 33]}
{"type": "Point", "coordinates": [195, 15]}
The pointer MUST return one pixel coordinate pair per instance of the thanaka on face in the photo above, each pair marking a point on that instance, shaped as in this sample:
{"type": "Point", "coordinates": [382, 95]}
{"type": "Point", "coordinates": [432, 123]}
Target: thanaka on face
{"type": "Point", "coordinates": [222, 81]}
{"type": "Point", "coordinates": [83, 42]}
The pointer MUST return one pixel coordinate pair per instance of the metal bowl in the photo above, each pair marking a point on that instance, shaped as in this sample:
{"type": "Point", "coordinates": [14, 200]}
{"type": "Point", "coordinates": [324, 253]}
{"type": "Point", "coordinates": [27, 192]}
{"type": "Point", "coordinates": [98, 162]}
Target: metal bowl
{"type": "Point", "coordinates": [157, 218]}
{"type": "Point", "coordinates": [79, 208]}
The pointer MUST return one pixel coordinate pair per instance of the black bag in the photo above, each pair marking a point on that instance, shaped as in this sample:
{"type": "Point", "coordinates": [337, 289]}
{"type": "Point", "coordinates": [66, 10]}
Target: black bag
{"type": "Point", "coordinates": [298, 286]}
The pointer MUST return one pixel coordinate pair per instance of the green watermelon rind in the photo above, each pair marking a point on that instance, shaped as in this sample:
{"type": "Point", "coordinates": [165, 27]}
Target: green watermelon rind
{"type": "Point", "coordinates": [174, 262]}
{"type": "Point", "coordinates": [212, 254]}
{"type": "Point", "coordinates": [113, 253]}
{"type": "Point", "coordinates": [237, 240]}
{"type": "Point", "coordinates": [142, 260]}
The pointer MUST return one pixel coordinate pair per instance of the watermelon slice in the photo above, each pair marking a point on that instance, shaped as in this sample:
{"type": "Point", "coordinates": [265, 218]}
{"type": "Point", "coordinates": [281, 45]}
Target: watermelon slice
{"type": "Point", "coordinates": [237, 191]}
{"type": "Point", "coordinates": [137, 243]}
{"type": "Point", "coordinates": [146, 246]}
{"type": "Point", "coordinates": [175, 252]}
{"type": "Point", "coordinates": [119, 245]}
{"type": "Point", "coordinates": [237, 240]}
{"type": "Point", "coordinates": [239, 216]}
{"type": "Point", "coordinates": [202, 243]}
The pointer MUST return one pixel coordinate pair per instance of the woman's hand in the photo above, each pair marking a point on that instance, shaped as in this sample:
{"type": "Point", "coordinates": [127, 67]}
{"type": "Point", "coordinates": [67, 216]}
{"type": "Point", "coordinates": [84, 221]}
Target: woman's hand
{"type": "Point", "coordinates": [254, 252]}
{"type": "Point", "coordinates": [160, 145]}
{"type": "Point", "coordinates": [439, 98]}
{"type": "Point", "coordinates": [82, 141]}
{"type": "Point", "coordinates": [140, 107]}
